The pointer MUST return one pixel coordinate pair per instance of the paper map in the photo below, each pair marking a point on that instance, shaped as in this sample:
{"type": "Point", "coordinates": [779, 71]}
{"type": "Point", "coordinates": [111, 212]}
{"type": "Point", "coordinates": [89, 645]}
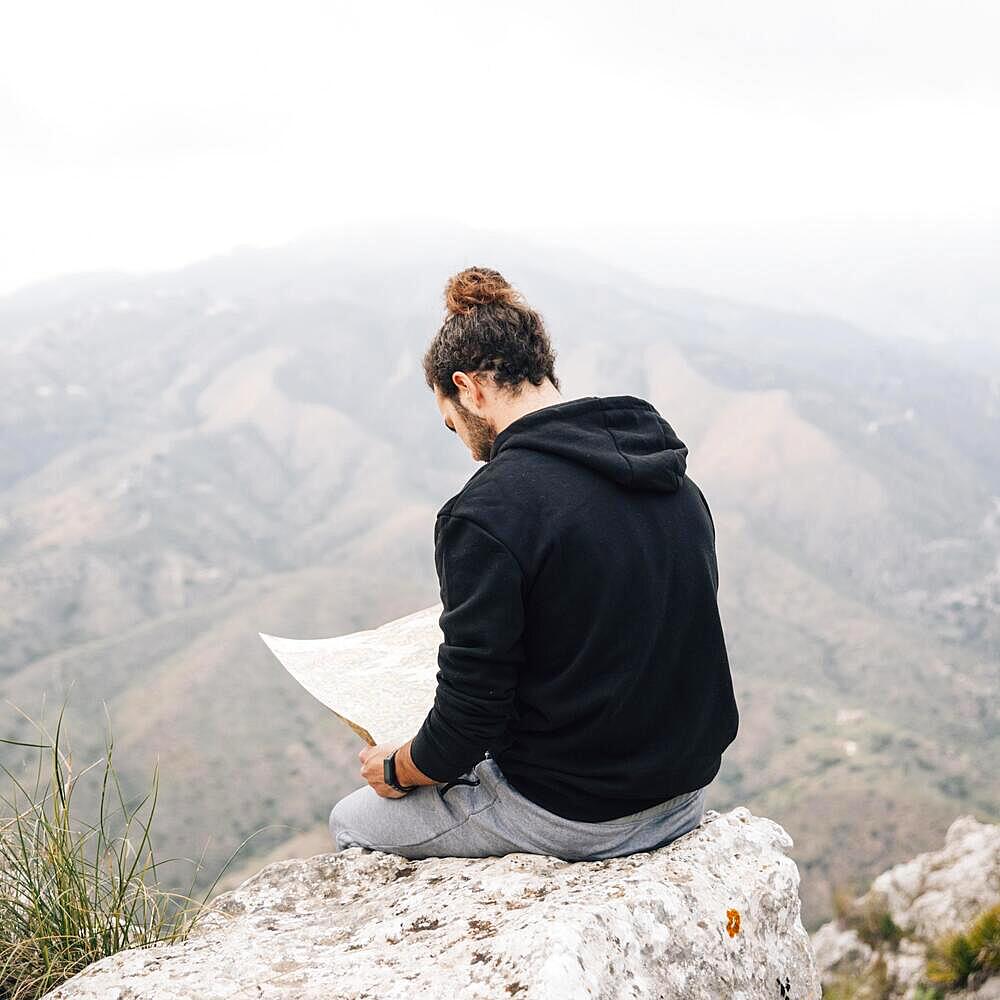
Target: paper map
{"type": "Point", "coordinates": [380, 681]}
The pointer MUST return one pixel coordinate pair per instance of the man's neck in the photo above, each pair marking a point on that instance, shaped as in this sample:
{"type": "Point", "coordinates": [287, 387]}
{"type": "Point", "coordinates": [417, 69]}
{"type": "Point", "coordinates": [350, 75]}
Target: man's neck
{"type": "Point", "coordinates": [528, 402]}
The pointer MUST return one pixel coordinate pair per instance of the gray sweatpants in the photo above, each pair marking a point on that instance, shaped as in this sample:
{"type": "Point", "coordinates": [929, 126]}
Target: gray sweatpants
{"type": "Point", "coordinates": [490, 818]}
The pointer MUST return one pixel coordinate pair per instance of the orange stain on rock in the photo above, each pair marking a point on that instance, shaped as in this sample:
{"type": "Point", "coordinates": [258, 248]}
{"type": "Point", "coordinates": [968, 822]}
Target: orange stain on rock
{"type": "Point", "coordinates": [733, 922]}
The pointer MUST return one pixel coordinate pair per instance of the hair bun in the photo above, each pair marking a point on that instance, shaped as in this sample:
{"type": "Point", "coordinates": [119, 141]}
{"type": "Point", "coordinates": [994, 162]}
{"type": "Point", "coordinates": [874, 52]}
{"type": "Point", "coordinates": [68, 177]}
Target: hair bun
{"type": "Point", "coordinates": [477, 286]}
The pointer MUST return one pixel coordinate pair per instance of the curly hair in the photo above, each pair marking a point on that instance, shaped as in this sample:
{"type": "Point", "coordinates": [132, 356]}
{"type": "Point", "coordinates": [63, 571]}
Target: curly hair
{"type": "Point", "coordinates": [488, 328]}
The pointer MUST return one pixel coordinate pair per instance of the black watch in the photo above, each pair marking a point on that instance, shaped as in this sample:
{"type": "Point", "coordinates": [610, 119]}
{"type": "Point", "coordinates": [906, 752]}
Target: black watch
{"type": "Point", "coordinates": [389, 774]}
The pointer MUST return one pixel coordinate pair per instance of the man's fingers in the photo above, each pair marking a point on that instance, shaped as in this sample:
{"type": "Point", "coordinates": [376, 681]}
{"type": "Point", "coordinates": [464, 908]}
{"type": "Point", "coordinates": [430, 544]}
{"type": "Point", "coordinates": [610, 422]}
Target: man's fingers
{"type": "Point", "coordinates": [372, 773]}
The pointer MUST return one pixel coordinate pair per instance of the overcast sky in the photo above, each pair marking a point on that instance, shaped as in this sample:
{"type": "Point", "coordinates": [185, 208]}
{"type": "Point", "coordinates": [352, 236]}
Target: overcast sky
{"type": "Point", "coordinates": [140, 135]}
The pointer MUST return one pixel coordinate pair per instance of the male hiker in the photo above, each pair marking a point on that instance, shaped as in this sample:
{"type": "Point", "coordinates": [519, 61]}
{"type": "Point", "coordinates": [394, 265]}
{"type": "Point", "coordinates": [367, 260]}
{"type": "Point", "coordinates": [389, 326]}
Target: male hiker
{"type": "Point", "coordinates": [584, 696]}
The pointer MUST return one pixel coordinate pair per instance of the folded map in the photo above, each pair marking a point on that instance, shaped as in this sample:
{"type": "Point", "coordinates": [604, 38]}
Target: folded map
{"type": "Point", "coordinates": [380, 681]}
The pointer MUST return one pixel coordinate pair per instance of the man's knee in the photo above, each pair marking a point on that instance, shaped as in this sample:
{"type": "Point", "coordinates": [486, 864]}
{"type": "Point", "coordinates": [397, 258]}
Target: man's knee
{"type": "Point", "coordinates": [345, 820]}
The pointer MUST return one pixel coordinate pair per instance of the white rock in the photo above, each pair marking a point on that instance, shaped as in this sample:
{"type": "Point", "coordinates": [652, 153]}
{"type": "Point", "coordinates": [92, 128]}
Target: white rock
{"type": "Point", "coordinates": [715, 914]}
{"type": "Point", "coordinates": [839, 950]}
{"type": "Point", "coordinates": [935, 893]}
{"type": "Point", "coordinates": [941, 891]}
{"type": "Point", "coordinates": [990, 990]}
{"type": "Point", "coordinates": [906, 966]}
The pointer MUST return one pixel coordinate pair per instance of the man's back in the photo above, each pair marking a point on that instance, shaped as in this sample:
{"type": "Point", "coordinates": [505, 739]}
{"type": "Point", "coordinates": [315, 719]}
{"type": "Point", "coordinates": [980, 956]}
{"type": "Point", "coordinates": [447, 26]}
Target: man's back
{"type": "Point", "coordinates": [583, 646]}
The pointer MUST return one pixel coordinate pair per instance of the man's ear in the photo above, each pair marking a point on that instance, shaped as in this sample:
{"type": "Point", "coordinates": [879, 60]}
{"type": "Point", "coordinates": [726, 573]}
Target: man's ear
{"type": "Point", "coordinates": [466, 388]}
{"type": "Point", "coordinates": [472, 385]}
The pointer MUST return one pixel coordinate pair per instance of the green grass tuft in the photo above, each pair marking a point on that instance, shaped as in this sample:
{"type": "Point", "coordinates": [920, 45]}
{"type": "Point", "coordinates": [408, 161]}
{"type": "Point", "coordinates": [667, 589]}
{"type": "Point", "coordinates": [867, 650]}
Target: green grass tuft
{"type": "Point", "coordinates": [875, 983]}
{"type": "Point", "coordinates": [955, 957]}
{"type": "Point", "coordinates": [869, 917]}
{"type": "Point", "coordinates": [72, 893]}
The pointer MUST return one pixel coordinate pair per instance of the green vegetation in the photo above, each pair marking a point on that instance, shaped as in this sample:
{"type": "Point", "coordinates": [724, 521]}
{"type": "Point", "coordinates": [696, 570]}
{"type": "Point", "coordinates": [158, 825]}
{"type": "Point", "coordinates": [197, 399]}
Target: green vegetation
{"type": "Point", "coordinates": [869, 917]}
{"type": "Point", "coordinates": [874, 984]}
{"type": "Point", "coordinates": [954, 961]}
{"type": "Point", "coordinates": [954, 958]}
{"type": "Point", "coordinates": [71, 893]}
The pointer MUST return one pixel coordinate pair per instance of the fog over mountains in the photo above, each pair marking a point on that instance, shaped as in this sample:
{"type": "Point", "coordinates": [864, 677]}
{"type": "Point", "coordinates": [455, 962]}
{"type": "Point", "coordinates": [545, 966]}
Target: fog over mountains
{"type": "Point", "coordinates": [248, 445]}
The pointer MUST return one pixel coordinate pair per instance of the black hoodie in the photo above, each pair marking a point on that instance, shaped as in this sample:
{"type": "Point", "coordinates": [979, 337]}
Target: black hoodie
{"type": "Point", "coordinates": [582, 642]}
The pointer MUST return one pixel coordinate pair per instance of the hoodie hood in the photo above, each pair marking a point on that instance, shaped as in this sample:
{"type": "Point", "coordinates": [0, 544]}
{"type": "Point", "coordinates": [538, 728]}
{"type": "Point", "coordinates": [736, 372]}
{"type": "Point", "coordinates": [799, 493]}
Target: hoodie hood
{"type": "Point", "coordinates": [621, 437]}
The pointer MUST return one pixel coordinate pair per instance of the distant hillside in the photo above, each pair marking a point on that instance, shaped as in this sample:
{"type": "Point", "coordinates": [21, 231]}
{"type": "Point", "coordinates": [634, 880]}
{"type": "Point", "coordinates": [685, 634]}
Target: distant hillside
{"type": "Point", "coordinates": [248, 445]}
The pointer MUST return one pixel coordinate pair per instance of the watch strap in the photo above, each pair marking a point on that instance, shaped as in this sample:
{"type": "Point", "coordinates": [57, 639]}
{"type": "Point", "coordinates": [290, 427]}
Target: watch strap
{"type": "Point", "coordinates": [389, 774]}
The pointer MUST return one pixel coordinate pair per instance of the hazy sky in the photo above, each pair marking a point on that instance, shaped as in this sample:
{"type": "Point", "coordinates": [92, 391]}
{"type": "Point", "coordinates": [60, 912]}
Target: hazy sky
{"type": "Point", "coordinates": [142, 135]}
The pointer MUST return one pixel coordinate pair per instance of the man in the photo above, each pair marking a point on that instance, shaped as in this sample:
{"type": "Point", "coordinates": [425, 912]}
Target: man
{"type": "Point", "coordinates": [584, 695]}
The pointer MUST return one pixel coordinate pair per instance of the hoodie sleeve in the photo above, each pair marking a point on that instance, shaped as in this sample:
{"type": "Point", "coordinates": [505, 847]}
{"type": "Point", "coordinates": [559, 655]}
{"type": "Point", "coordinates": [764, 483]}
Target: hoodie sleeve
{"type": "Point", "coordinates": [708, 510]}
{"type": "Point", "coordinates": [483, 650]}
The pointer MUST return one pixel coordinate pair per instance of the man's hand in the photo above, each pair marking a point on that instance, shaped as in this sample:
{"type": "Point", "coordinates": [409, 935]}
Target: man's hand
{"type": "Point", "coordinates": [407, 772]}
{"type": "Point", "coordinates": [372, 770]}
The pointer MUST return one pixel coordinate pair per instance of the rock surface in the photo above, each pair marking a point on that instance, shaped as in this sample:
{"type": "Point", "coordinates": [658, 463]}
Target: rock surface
{"type": "Point", "coordinates": [945, 890]}
{"type": "Point", "coordinates": [715, 914]}
{"type": "Point", "coordinates": [935, 893]}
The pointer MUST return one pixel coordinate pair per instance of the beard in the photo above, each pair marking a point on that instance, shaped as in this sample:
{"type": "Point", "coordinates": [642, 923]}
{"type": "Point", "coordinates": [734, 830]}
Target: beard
{"type": "Point", "coordinates": [481, 433]}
